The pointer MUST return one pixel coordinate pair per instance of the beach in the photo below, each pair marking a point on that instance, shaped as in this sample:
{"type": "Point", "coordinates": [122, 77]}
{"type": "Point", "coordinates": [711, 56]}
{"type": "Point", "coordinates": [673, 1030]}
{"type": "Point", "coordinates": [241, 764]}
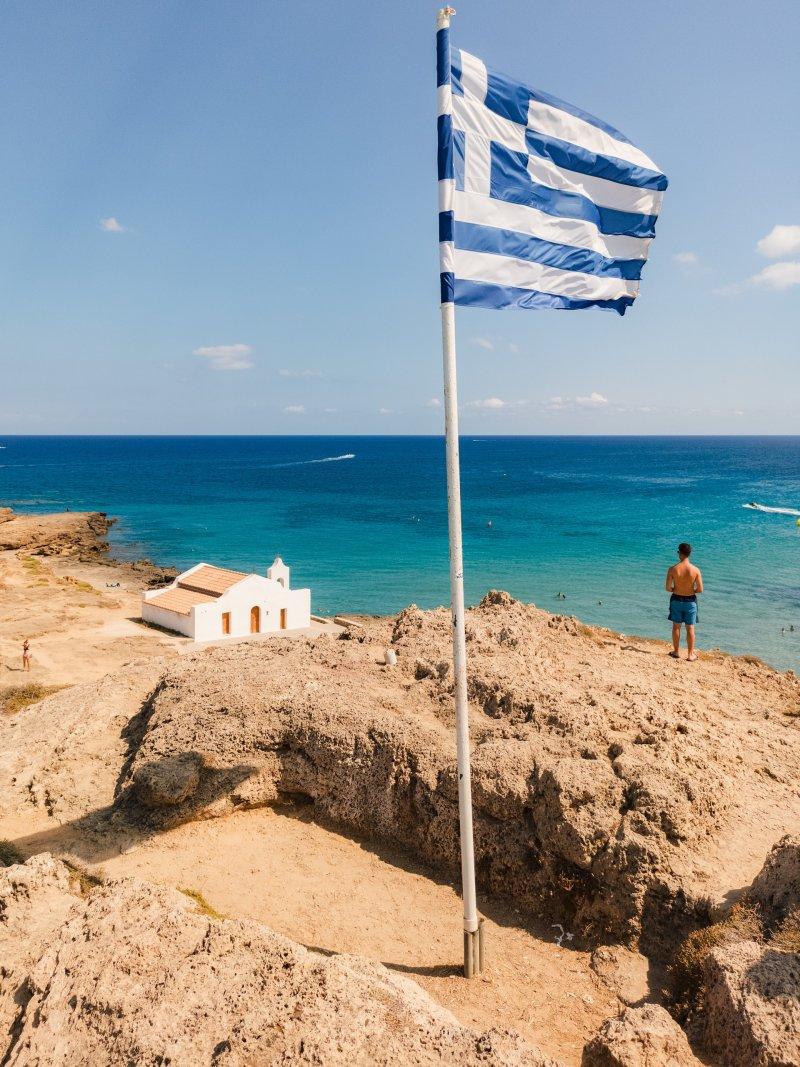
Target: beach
{"type": "Point", "coordinates": [78, 607]}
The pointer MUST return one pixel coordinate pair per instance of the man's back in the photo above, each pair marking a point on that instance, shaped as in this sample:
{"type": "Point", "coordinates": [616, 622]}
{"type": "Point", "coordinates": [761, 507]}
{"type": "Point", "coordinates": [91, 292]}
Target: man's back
{"type": "Point", "coordinates": [685, 579]}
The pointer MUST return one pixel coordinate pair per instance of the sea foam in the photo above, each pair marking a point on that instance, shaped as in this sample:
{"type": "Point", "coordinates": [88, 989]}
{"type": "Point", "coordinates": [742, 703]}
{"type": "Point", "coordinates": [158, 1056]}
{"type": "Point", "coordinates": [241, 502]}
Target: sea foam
{"type": "Point", "coordinates": [306, 462]}
{"type": "Point", "coordinates": [771, 511]}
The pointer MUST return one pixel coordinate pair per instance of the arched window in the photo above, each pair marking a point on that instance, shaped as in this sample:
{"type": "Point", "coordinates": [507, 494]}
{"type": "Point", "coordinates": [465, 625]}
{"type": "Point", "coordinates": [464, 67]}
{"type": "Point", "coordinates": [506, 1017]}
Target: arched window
{"type": "Point", "coordinates": [255, 620]}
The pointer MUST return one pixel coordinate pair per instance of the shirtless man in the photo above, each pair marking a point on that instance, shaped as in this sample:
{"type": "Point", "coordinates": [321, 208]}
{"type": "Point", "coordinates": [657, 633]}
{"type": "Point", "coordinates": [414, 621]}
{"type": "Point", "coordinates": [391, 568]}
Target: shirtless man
{"type": "Point", "coordinates": [684, 582]}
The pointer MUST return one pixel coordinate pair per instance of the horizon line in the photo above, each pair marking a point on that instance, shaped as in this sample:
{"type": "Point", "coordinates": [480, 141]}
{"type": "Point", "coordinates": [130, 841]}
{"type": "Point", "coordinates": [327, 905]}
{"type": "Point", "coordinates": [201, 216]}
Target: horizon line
{"type": "Point", "coordinates": [373, 436]}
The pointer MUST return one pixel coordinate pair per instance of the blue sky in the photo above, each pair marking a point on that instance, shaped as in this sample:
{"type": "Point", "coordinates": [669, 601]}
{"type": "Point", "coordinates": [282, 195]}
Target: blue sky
{"type": "Point", "coordinates": [268, 260]}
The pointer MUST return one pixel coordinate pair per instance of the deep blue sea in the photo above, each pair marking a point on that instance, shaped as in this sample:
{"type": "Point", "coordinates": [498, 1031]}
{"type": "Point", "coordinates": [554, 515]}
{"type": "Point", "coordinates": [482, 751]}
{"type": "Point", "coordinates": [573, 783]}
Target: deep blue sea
{"type": "Point", "coordinates": [363, 520]}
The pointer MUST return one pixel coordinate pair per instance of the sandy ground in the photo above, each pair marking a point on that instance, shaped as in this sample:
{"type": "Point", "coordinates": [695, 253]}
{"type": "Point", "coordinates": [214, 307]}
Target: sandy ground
{"type": "Point", "coordinates": [81, 619]}
{"type": "Point", "coordinates": [335, 894]}
{"type": "Point", "coordinates": [79, 627]}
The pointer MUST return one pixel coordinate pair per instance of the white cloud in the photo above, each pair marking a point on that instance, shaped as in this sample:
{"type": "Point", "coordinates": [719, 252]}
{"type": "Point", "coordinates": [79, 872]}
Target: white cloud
{"type": "Point", "coordinates": [286, 372]}
{"type": "Point", "coordinates": [514, 348]}
{"type": "Point", "coordinates": [780, 241]}
{"type": "Point", "coordinates": [491, 403]}
{"type": "Point", "coordinates": [384, 411]}
{"type": "Point", "coordinates": [686, 259]}
{"type": "Point", "coordinates": [226, 357]}
{"type": "Point", "coordinates": [111, 225]}
{"type": "Point", "coordinates": [730, 290]}
{"type": "Point", "coordinates": [777, 276]}
{"type": "Point", "coordinates": [484, 342]}
{"type": "Point", "coordinates": [295, 409]}
{"type": "Point", "coordinates": [570, 403]}
{"type": "Point", "coordinates": [434, 402]}
{"type": "Point", "coordinates": [593, 400]}
{"type": "Point", "coordinates": [331, 411]}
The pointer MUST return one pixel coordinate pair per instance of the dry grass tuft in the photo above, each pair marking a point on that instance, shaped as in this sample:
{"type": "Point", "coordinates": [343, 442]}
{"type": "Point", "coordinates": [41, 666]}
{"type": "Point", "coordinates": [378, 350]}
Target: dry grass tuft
{"type": "Point", "coordinates": [742, 923]}
{"type": "Point", "coordinates": [16, 697]}
{"type": "Point", "coordinates": [87, 880]}
{"type": "Point", "coordinates": [9, 854]}
{"type": "Point", "coordinates": [79, 584]}
{"type": "Point", "coordinates": [202, 904]}
{"type": "Point", "coordinates": [753, 661]}
{"type": "Point", "coordinates": [787, 936]}
{"type": "Point", "coordinates": [592, 633]}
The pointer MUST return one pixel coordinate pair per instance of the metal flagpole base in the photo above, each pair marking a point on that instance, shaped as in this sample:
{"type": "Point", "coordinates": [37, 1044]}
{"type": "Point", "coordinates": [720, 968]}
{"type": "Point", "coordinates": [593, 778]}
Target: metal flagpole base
{"type": "Point", "coordinates": [473, 951]}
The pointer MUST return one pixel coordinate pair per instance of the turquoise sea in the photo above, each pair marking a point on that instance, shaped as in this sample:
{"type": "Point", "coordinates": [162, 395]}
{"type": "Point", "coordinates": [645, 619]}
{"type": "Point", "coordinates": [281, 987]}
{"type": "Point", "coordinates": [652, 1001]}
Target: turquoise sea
{"type": "Point", "coordinates": [363, 521]}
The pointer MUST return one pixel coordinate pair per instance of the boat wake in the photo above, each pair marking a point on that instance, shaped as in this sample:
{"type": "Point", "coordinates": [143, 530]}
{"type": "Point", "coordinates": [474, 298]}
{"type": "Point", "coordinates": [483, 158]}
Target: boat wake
{"type": "Point", "coordinates": [324, 459]}
{"type": "Point", "coordinates": [772, 511]}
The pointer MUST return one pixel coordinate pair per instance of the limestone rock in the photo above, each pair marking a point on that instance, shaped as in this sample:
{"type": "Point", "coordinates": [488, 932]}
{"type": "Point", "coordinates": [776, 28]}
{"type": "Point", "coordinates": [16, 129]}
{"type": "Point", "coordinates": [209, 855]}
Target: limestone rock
{"type": "Point", "coordinates": [497, 598]}
{"type": "Point", "coordinates": [626, 972]}
{"type": "Point", "coordinates": [167, 781]}
{"type": "Point", "coordinates": [641, 1037]}
{"type": "Point", "coordinates": [752, 1005]}
{"type": "Point", "coordinates": [137, 975]}
{"type": "Point", "coordinates": [606, 784]}
{"type": "Point", "coordinates": [65, 760]}
{"type": "Point", "coordinates": [776, 888]}
{"type": "Point", "coordinates": [71, 533]}
{"type": "Point", "coordinates": [595, 803]}
{"type": "Point", "coordinates": [35, 898]}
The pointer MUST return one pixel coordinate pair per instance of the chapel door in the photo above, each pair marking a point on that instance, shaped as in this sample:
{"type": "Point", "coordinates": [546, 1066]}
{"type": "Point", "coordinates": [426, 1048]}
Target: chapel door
{"type": "Point", "coordinates": [255, 620]}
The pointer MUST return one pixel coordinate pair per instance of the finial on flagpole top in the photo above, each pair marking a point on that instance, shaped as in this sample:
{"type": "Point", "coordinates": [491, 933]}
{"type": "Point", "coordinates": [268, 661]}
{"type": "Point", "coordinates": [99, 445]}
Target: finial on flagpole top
{"type": "Point", "coordinates": [443, 16]}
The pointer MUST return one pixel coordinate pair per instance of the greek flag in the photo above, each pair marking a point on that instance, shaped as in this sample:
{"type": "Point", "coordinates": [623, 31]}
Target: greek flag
{"type": "Point", "coordinates": [540, 204]}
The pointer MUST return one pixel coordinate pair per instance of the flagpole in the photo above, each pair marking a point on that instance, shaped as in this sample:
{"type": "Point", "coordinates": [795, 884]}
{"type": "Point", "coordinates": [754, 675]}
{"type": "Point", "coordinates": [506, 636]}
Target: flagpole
{"type": "Point", "coordinates": [473, 927]}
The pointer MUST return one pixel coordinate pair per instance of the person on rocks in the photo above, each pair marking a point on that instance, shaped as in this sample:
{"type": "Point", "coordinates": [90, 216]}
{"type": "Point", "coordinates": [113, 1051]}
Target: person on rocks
{"type": "Point", "coordinates": [26, 655]}
{"type": "Point", "coordinates": [684, 582]}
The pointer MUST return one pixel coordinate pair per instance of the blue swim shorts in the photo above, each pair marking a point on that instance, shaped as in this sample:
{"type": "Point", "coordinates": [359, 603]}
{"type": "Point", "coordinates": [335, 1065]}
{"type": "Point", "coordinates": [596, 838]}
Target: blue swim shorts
{"type": "Point", "coordinates": [683, 609]}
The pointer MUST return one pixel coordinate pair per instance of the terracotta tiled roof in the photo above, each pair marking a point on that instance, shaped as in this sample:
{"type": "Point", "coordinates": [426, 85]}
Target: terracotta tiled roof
{"type": "Point", "coordinates": [212, 580]}
{"type": "Point", "coordinates": [181, 601]}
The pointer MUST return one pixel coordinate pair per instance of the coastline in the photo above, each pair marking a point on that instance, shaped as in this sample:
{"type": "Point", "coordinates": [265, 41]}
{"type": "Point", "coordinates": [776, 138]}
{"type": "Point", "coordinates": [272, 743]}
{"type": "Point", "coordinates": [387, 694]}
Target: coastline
{"type": "Point", "coordinates": [76, 535]}
{"type": "Point", "coordinates": [597, 519]}
{"type": "Point", "coordinates": [66, 589]}
{"type": "Point", "coordinates": [72, 599]}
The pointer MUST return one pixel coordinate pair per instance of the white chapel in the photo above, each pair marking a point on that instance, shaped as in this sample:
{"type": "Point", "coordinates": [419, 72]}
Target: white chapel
{"type": "Point", "coordinates": [210, 603]}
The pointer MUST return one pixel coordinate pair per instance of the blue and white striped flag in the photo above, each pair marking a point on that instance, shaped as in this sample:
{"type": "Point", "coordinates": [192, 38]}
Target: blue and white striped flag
{"type": "Point", "coordinates": [540, 204]}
